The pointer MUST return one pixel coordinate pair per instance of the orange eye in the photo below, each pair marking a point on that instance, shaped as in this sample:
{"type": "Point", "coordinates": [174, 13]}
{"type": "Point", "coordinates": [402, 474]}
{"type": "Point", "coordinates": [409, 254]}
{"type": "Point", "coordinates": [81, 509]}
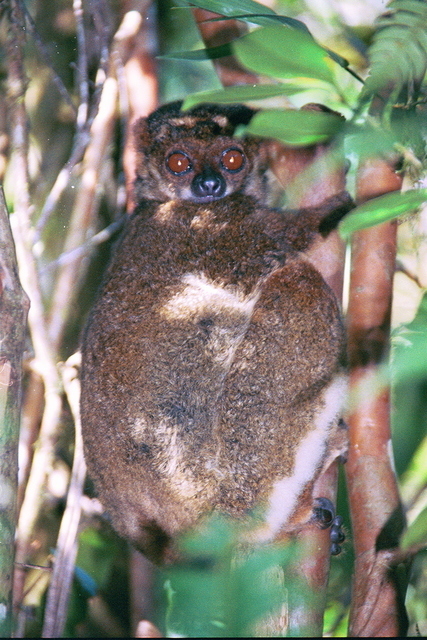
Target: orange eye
{"type": "Point", "coordinates": [178, 162]}
{"type": "Point", "coordinates": [232, 160]}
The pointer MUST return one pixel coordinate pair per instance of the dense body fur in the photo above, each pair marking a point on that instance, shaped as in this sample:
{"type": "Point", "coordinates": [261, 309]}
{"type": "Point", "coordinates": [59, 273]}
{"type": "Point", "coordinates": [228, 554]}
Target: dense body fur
{"type": "Point", "coordinates": [211, 376]}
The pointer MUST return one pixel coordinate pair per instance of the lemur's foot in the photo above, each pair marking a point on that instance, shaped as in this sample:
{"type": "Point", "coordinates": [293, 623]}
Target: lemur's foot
{"type": "Point", "coordinates": [324, 515]}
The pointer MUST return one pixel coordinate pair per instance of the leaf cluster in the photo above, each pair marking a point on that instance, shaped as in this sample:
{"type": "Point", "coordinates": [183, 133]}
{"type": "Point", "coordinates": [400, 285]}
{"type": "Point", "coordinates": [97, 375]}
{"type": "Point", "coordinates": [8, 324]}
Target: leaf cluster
{"type": "Point", "coordinates": [289, 61]}
{"type": "Point", "coordinates": [218, 592]}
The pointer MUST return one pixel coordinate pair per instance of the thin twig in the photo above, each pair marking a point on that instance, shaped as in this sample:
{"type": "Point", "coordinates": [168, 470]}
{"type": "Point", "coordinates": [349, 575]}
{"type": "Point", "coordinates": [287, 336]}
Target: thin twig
{"type": "Point", "coordinates": [87, 112]}
{"type": "Point", "coordinates": [66, 549]}
{"type": "Point", "coordinates": [82, 75]}
{"type": "Point", "coordinates": [85, 207]}
{"type": "Point", "coordinates": [57, 80]}
{"type": "Point", "coordinates": [99, 238]}
{"type": "Point", "coordinates": [80, 143]}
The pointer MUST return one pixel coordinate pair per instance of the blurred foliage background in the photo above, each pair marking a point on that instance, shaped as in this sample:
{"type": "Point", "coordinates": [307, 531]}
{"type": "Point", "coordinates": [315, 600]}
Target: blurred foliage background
{"type": "Point", "coordinates": [102, 600]}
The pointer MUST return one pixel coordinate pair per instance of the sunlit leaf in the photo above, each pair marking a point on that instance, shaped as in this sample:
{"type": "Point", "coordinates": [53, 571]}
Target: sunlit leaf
{"type": "Point", "coordinates": [409, 361]}
{"type": "Point", "coordinates": [295, 128]}
{"type": "Point", "coordinates": [380, 210]}
{"type": "Point", "coordinates": [398, 54]}
{"type": "Point", "coordinates": [282, 52]}
{"type": "Point", "coordinates": [367, 142]}
{"type": "Point", "coordinates": [264, 16]}
{"type": "Point", "coordinates": [267, 19]}
{"type": "Point", "coordinates": [228, 8]}
{"type": "Point", "coordinates": [242, 93]}
{"type": "Point", "coordinates": [417, 532]}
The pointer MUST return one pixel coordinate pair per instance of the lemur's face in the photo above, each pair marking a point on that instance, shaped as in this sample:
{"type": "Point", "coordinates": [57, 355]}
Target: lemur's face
{"type": "Point", "coordinates": [194, 157]}
{"type": "Point", "coordinates": [205, 171]}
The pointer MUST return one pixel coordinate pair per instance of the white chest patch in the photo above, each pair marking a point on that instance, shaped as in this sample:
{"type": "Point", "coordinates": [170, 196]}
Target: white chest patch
{"type": "Point", "coordinates": [198, 297]}
{"type": "Point", "coordinates": [225, 311]}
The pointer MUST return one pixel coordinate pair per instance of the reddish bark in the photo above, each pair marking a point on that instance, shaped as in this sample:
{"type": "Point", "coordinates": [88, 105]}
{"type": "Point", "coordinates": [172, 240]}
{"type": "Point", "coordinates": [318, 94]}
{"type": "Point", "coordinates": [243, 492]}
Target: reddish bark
{"type": "Point", "coordinates": [140, 83]}
{"type": "Point", "coordinates": [229, 71]}
{"type": "Point", "coordinates": [374, 501]}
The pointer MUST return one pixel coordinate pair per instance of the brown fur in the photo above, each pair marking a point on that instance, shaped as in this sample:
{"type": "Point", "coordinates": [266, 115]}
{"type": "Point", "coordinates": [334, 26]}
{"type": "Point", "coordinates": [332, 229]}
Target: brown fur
{"type": "Point", "coordinates": [212, 341]}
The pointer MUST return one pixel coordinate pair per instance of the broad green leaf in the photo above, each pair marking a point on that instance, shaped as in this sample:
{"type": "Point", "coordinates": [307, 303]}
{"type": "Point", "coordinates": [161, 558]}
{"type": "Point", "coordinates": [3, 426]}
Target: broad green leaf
{"type": "Point", "coordinates": [410, 360]}
{"type": "Point", "coordinates": [295, 128]}
{"type": "Point", "coordinates": [380, 210]}
{"type": "Point", "coordinates": [221, 593]}
{"type": "Point", "coordinates": [409, 355]}
{"type": "Point", "coordinates": [367, 141]}
{"type": "Point", "coordinates": [242, 93]}
{"type": "Point", "coordinates": [227, 8]}
{"type": "Point", "coordinates": [209, 53]}
{"type": "Point", "coordinates": [417, 532]}
{"type": "Point", "coordinates": [267, 19]}
{"type": "Point", "coordinates": [282, 52]}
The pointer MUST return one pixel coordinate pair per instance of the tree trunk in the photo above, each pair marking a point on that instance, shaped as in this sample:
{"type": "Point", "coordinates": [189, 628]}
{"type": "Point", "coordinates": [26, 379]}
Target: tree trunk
{"type": "Point", "coordinates": [13, 313]}
{"type": "Point", "coordinates": [377, 606]}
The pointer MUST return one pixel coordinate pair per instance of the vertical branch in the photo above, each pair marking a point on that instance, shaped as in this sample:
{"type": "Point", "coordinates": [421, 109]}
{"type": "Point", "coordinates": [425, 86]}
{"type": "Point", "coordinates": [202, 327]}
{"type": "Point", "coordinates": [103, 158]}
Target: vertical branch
{"type": "Point", "coordinates": [66, 549]}
{"type": "Point", "coordinates": [14, 307]}
{"type": "Point", "coordinates": [377, 517]}
{"type": "Point", "coordinates": [322, 169]}
{"type": "Point", "coordinates": [101, 132]}
{"type": "Point", "coordinates": [82, 76]}
{"type": "Point", "coordinates": [228, 68]}
{"type": "Point", "coordinates": [137, 48]}
{"type": "Point", "coordinates": [22, 228]}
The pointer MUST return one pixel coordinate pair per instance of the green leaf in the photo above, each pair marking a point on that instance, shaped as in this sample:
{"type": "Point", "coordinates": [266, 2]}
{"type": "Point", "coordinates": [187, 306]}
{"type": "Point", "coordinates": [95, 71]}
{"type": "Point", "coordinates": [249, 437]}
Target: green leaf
{"type": "Point", "coordinates": [242, 93]}
{"type": "Point", "coordinates": [380, 210]}
{"type": "Point", "coordinates": [209, 53]}
{"type": "Point", "coordinates": [417, 532]}
{"type": "Point", "coordinates": [295, 128]}
{"type": "Point", "coordinates": [410, 358]}
{"type": "Point", "coordinates": [264, 17]}
{"type": "Point", "coordinates": [366, 141]}
{"type": "Point", "coordinates": [227, 8]}
{"type": "Point", "coordinates": [409, 354]}
{"type": "Point", "coordinates": [282, 52]}
{"type": "Point", "coordinates": [398, 54]}
{"type": "Point", "coordinates": [267, 19]}
{"type": "Point", "coordinates": [221, 592]}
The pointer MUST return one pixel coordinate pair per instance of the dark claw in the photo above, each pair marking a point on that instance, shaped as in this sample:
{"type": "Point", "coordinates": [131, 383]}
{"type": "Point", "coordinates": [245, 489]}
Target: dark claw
{"type": "Point", "coordinates": [324, 514]}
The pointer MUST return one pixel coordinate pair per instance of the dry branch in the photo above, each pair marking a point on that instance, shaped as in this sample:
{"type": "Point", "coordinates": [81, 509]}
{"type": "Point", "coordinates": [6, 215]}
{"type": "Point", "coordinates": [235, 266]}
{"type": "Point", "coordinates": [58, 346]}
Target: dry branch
{"type": "Point", "coordinates": [13, 311]}
{"type": "Point", "coordinates": [66, 548]}
{"type": "Point", "coordinates": [23, 233]}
